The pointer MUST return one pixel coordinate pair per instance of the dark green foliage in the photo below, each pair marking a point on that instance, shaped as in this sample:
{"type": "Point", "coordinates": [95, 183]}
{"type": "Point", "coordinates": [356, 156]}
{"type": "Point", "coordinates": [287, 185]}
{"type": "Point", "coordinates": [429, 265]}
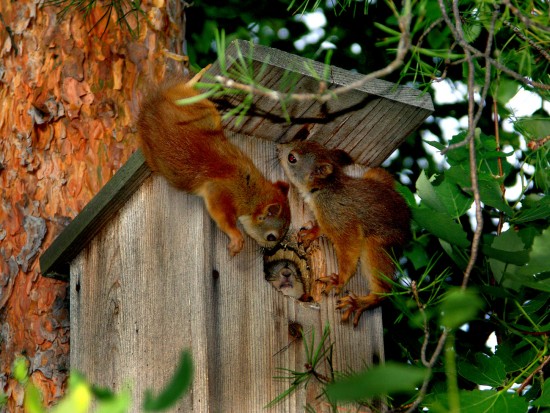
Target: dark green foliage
{"type": "Point", "coordinates": [377, 381]}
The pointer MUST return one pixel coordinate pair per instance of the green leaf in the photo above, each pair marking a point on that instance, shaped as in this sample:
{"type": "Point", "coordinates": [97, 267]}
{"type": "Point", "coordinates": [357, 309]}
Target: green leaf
{"type": "Point", "coordinates": [20, 369]}
{"type": "Point", "coordinates": [471, 31]}
{"type": "Point", "coordinates": [534, 207]}
{"type": "Point", "coordinates": [536, 283]}
{"type": "Point", "coordinates": [389, 378]}
{"type": "Point", "coordinates": [538, 257]}
{"type": "Point", "coordinates": [507, 89]}
{"type": "Point", "coordinates": [487, 370]}
{"type": "Point", "coordinates": [458, 307]}
{"type": "Point", "coordinates": [441, 225]}
{"type": "Point", "coordinates": [507, 248]}
{"type": "Point", "coordinates": [418, 255]}
{"type": "Point", "coordinates": [33, 400]}
{"type": "Point", "coordinates": [533, 127]}
{"type": "Point", "coordinates": [426, 192]}
{"type": "Point", "coordinates": [78, 398]}
{"type": "Point", "coordinates": [480, 401]}
{"type": "Point", "coordinates": [442, 195]}
{"type": "Point", "coordinates": [437, 145]}
{"type": "Point", "coordinates": [116, 404]}
{"type": "Point", "coordinates": [179, 384]}
{"type": "Point", "coordinates": [514, 359]}
{"type": "Point", "coordinates": [491, 401]}
{"type": "Point", "coordinates": [544, 399]}
{"type": "Point", "coordinates": [517, 258]}
{"type": "Point", "coordinates": [491, 194]}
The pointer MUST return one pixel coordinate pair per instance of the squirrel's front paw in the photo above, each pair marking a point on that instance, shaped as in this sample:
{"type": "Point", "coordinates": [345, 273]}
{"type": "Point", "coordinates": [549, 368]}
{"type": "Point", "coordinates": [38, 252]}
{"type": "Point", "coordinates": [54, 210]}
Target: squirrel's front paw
{"type": "Point", "coordinates": [331, 282]}
{"type": "Point", "coordinates": [236, 245]}
{"type": "Point", "coordinates": [308, 233]}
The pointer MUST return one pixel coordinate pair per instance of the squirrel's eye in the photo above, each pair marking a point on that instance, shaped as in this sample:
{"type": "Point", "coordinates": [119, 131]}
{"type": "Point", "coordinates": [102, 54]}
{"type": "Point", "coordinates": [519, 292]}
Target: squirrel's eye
{"type": "Point", "coordinates": [291, 158]}
{"type": "Point", "coordinates": [271, 238]}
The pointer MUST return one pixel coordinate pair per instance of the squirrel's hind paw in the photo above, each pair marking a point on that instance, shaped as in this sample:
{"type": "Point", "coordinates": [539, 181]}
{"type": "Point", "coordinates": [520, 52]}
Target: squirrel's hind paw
{"type": "Point", "coordinates": [356, 304]}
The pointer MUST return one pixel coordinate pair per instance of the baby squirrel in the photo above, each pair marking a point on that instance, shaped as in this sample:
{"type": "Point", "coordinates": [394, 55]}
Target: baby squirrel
{"type": "Point", "coordinates": [186, 144]}
{"type": "Point", "coordinates": [362, 217]}
{"type": "Point", "coordinates": [285, 276]}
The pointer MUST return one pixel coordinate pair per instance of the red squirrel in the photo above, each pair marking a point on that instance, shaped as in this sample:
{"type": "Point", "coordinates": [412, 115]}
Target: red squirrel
{"type": "Point", "coordinates": [364, 218]}
{"type": "Point", "coordinates": [186, 144]}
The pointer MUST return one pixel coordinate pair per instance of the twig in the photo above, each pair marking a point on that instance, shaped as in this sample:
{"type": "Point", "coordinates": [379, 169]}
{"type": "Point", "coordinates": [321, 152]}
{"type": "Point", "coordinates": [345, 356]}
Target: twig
{"type": "Point", "coordinates": [538, 143]}
{"type": "Point", "coordinates": [324, 96]}
{"type": "Point", "coordinates": [525, 20]}
{"type": "Point", "coordinates": [530, 377]}
{"type": "Point", "coordinates": [470, 137]}
{"type": "Point", "coordinates": [499, 163]}
{"type": "Point", "coordinates": [473, 119]}
{"type": "Point", "coordinates": [431, 364]}
{"type": "Point", "coordinates": [477, 53]}
{"type": "Point", "coordinates": [535, 46]}
{"type": "Point", "coordinates": [424, 322]}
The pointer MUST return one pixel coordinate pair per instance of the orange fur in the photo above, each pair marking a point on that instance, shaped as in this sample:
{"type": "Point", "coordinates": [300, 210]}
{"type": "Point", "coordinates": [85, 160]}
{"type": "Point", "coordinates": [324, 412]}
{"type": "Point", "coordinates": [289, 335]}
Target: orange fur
{"type": "Point", "coordinates": [186, 144]}
{"type": "Point", "coordinates": [364, 218]}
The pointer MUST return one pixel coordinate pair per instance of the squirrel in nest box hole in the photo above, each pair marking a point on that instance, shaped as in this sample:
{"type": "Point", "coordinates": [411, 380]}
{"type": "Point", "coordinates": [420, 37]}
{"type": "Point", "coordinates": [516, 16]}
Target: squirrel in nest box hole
{"type": "Point", "coordinates": [364, 218]}
{"type": "Point", "coordinates": [186, 144]}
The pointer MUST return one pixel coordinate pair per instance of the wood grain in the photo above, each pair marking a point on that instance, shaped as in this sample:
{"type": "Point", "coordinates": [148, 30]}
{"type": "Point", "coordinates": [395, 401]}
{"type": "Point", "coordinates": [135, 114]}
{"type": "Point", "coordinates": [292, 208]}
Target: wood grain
{"type": "Point", "coordinates": [55, 261]}
{"type": "Point", "coordinates": [368, 122]}
{"type": "Point", "coordinates": [143, 289]}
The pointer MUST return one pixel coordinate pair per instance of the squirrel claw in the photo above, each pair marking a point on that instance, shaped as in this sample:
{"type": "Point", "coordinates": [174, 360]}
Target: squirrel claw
{"type": "Point", "coordinates": [351, 304]}
{"type": "Point", "coordinates": [331, 282]}
{"type": "Point", "coordinates": [308, 233]}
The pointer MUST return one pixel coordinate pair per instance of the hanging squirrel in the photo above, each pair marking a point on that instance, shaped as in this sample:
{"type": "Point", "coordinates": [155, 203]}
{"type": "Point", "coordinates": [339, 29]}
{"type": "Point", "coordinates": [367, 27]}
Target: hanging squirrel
{"type": "Point", "coordinates": [186, 144]}
{"type": "Point", "coordinates": [363, 218]}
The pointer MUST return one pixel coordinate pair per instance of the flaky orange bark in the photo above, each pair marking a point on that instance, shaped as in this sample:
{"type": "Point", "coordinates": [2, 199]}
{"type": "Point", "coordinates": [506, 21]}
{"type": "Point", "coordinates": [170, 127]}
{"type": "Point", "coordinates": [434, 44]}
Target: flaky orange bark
{"type": "Point", "coordinates": [69, 96]}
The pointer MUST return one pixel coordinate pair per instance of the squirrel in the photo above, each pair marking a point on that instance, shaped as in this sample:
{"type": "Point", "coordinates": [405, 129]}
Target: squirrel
{"type": "Point", "coordinates": [285, 276]}
{"type": "Point", "coordinates": [186, 144]}
{"type": "Point", "coordinates": [364, 218]}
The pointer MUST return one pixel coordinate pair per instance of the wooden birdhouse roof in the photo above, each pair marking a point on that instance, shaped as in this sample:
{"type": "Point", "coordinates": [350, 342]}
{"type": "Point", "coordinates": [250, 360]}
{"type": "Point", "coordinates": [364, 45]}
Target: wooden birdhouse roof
{"type": "Point", "coordinates": [369, 122]}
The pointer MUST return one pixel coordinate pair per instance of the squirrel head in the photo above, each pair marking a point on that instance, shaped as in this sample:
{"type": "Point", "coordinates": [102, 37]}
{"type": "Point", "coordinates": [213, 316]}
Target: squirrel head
{"type": "Point", "coordinates": [310, 166]}
{"type": "Point", "coordinates": [285, 276]}
{"type": "Point", "coordinates": [269, 223]}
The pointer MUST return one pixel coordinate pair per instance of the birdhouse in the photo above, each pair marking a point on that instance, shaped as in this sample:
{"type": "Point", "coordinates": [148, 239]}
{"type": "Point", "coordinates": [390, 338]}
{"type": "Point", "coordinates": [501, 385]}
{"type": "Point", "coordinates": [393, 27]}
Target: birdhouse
{"type": "Point", "coordinates": [150, 273]}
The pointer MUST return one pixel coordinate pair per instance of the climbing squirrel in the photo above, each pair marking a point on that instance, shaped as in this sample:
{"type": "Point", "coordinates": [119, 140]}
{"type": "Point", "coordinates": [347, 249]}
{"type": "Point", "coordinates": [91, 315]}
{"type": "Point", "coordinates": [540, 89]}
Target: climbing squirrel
{"type": "Point", "coordinates": [186, 144]}
{"type": "Point", "coordinates": [363, 218]}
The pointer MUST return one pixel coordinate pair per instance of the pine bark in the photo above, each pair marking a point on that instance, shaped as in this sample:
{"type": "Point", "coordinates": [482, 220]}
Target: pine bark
{"type": "Point", "coordinates": [69, 96]}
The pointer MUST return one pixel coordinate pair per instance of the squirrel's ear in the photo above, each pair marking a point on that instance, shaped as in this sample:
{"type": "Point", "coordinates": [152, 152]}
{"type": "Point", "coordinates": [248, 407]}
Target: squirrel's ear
{"type": "Point", "coordinates": [273, 210]}
{"type": "Point", "coordinates": [341, 157]}
{"type": "Point", "coordinates": [323, 170]}
{"type": "Point", "coordinates": [283, 187]}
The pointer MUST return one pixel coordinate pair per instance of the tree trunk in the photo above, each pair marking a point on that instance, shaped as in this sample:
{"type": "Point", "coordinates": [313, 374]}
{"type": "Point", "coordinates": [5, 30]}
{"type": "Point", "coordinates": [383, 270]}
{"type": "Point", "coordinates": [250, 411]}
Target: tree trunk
{"type": "Point", "coordinates": [69, 96]}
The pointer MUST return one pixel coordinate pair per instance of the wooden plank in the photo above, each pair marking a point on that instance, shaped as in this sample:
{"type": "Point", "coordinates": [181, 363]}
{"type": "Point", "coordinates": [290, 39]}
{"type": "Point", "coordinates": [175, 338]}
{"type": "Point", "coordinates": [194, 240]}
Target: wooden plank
{"type": "Point", "coordinates": [54, 262]}
{"type": "Point", "coordinates": [250, 320]}
{"type": "Point", "coordinates": [143, 290]}
{"type": "Point", "coordinates": [334, 123]}
{"type": "Point", "coordinates": [137, 295]}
